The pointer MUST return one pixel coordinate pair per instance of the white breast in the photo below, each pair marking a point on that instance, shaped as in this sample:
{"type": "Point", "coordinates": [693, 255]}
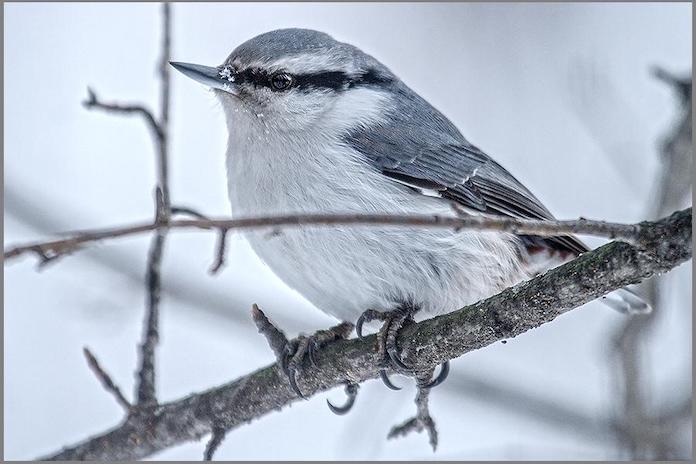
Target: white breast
{"type": "Point", "coordinates": [345, 270]}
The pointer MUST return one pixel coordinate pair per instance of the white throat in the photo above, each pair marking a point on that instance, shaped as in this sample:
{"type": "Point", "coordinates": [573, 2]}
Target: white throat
{"type": "Point", "coordinates": [273, 169]}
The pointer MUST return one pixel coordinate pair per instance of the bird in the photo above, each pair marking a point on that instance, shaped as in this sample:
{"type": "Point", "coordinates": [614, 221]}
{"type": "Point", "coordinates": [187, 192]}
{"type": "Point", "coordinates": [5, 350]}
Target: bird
{"type": "Point", "coordinates": [316, 125]}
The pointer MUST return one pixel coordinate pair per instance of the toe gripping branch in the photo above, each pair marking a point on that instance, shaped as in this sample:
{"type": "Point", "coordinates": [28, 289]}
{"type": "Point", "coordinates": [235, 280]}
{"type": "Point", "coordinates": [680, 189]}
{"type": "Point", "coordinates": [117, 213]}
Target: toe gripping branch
{"type": "Point", "coordinates": [394, 322]}
{"type": "Point", "coordinates": [291, 354]}
{"type": "Point", "coordinates": [387, 337]}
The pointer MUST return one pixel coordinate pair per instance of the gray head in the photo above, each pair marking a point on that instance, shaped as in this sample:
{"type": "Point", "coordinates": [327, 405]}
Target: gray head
{"type": "Point", "coordinates": [292, 75]}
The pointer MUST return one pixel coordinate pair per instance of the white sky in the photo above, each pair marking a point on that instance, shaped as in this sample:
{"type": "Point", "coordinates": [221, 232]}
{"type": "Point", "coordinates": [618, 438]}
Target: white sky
{"type": "Point", "coordinates": [559, 94]}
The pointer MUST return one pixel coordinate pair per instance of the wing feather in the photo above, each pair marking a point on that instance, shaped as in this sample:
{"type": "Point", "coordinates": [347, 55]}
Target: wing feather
{"type": "Point", "coordinates": [421, 148]}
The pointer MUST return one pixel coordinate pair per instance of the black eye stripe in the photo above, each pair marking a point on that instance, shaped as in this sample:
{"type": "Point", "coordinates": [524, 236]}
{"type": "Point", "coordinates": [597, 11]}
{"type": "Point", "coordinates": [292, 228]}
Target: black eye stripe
{"type": "Point", "coordinates": [334, 80]}
{"type": "Point", "coordinates": [330, 80]}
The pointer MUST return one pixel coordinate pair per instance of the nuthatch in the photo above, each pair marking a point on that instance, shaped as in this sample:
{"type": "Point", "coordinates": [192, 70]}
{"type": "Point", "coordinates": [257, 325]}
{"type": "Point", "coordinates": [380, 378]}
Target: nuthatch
{"type": "Point", "coordinates": [319, 126]}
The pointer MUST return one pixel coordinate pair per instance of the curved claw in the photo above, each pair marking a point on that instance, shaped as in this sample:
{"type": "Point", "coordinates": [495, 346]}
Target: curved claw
{"type": "Point", "coordinates": [313, 347]}
{"type": "Point", "coordinates": [444, 372]}
{"type": "Point", "coordinates": [341, 410]}
{"type": "Point", "coordinates": [290, 370]}
{"type": "Point", "coordinates": [368, 316]}
{"type": "Point", "coordinates": [397, 360]}
{"type": "Point", "coordinates": [359, 326]}
{"type": "Point", "coordinates": [293, 383]}
{"type": "Point", "coordinates": [385, 379]}
{"type": "Point", "coordinates": [352, 392]}
{"type": "Point", "coordinates": [393, 327]}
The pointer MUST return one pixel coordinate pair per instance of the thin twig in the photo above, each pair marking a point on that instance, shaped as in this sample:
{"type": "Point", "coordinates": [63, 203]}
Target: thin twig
{"type": "Point", "coordinates": [216, 438]}
{"type": "Point", "coordinates": [422, 420]}
{"type": "Point", "coordinates": [682, 84]}
{"type": "Point", "coordinates": [145, 385]}
{"type": "Point", "coordinates": [630, 233]}
{"type": "Point", "coordinates": [165, 84]}
{"type": "Point", "coordinates": [671, 189]}
{"type": "Point", "coordinates": [188, 212]}
{"type": "Point", "coordinates": [106, 380]}
{"type": "Point", "coordinates": [221, 249]}
{"type": "Point", "coordinates": [275, 338]}
{"type": "Point", "coordinates": [126, 109]}
{"type": "Point", "coordinates": [424, 344]}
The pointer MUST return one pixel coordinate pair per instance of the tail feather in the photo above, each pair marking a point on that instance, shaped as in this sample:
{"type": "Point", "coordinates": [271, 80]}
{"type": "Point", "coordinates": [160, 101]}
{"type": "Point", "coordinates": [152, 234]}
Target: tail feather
{"type": "Point", "coordinates": [627, 301]}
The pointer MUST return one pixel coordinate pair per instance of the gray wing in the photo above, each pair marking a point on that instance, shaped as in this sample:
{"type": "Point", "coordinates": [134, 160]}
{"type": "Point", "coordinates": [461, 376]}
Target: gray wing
{"type": "Point", "coordinates": [421, 148]}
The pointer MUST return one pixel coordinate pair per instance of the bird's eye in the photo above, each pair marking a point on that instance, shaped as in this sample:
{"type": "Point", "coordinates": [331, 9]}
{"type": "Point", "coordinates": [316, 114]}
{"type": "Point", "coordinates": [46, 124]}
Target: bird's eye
{"type": "Point", "coordinates": [281, 81]}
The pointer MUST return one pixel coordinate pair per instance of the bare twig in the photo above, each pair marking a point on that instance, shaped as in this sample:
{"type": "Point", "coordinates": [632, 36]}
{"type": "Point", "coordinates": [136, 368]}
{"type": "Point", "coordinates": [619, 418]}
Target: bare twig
{"type": "Point", "coordinates": [422, 420]}
{"type": "Point", "coordinates": [93, 102]}
{"type": "Point", "coordinates": [630, 233]}
{"type": "Point", "coordinates": [275, 338]}
{"type": "Point", "coordinates": [165, 84]}
{"type": "Point", "coordinates": [106, 380]}
{"type": "Point", "coordinates": [681, 84]}
{"type": "Point", "coordinates": [220, 252]}
{"type": "Point", "coordinates": [188, 212]}
{"type": "Point", "coordinates": [666, 244]}
{"type": "Point", "coordinates": [671, 189]}
{"type": "Point", "coordinates": [216, 437]}
{"type": "Point", "coordinates": [145, 385]}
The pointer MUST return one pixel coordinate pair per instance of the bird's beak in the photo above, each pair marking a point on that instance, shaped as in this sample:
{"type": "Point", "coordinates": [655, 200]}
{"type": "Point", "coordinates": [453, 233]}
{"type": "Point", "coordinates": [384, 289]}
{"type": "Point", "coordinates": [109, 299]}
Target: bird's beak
{"type": "Point", "coordinates": [216, 78]}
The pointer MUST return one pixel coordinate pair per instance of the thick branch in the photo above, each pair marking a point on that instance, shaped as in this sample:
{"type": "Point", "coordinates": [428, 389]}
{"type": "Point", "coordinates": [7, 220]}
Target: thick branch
{"type": "Point", "coordinates": [630, 233]}
{"type": "Point", "coordinates": [665, 244]}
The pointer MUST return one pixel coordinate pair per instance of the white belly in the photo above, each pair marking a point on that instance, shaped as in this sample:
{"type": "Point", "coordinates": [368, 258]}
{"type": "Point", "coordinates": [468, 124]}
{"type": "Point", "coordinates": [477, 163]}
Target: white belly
{"type": "Point", "coordinates": [345, 270]}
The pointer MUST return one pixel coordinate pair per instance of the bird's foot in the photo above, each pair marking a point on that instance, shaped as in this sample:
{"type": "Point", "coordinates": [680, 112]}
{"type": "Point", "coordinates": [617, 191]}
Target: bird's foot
{"type": "Point", "coordinates": [291, 354]}
{"type": "Point", "coordinates": [297, 350]}
{"type": "Point", "coordinates": [422, 420]}
{"type": "Point", "coordinates": [351, 393]}
{"type": "Point", "coordinates": [387, 346]}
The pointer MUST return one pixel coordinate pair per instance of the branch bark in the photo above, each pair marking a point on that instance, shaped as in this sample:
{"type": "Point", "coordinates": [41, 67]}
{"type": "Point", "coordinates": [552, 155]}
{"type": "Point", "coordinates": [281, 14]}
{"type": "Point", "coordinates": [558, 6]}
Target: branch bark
{"type": "Point", "coordinates": [664, 245]}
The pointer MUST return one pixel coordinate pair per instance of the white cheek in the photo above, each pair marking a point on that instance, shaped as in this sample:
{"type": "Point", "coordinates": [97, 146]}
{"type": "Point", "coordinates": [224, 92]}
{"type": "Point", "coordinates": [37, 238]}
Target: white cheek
{"type": "Point", "coordinates": [328, 111]}
{"type": "Point", "coordinates": [362, 106]}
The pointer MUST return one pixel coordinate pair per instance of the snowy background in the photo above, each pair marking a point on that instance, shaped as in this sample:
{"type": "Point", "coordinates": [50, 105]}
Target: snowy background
{"type": "Point", "coordinates": [561, 95]}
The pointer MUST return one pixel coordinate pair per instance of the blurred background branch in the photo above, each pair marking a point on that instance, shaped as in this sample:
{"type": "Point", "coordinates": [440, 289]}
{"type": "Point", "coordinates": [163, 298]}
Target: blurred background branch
{"type": "Point", "coordinates": [643, 433]}
{"type": "Point", "coordinates": [609, 117]}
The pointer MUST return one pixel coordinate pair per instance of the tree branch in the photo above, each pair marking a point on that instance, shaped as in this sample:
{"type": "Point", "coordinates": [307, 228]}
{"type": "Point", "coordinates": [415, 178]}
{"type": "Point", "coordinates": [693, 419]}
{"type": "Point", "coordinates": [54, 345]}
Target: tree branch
{"type": "Point", "coordinates": [630, 233]}
{"type": "Point", "coordinates": [671, 190]}
{"type": "Point", "coordinates": [145, 385]}
{"type": "Point", "coordinates": [125, 109]}
{"type": "Point", "coordinates": [105, 380]}
{"type": "Point", "coordinates": [664, 245]}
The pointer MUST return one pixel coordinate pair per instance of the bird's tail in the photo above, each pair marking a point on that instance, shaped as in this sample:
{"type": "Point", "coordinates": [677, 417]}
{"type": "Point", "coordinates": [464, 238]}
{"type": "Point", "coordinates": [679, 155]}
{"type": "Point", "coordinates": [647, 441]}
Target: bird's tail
{"type": "Point", "coordinates": [626, 301]}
